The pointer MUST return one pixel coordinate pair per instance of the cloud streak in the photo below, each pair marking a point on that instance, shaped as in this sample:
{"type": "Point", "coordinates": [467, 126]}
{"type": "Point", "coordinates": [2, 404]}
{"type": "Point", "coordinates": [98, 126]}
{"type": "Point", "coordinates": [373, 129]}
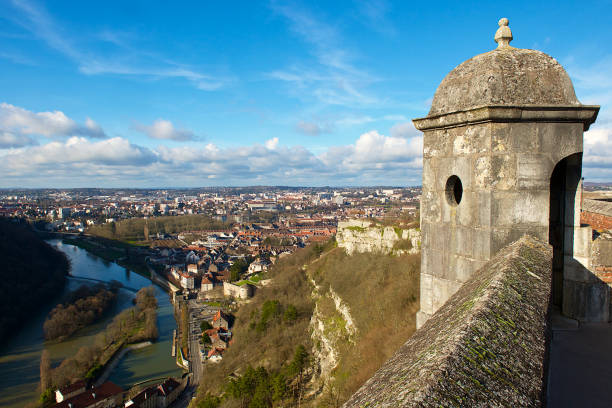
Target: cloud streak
{"type": "Point", "coordinates": [162, 129]}
{"type": "Point", "coordinates": [125, 61]}
{"type": "Point", "coordinates": [337, 81]}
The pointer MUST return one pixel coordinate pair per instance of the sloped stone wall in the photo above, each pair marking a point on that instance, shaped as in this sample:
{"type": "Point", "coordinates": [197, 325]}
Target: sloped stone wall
{"type": "Point", "coordinates": [485, 347]}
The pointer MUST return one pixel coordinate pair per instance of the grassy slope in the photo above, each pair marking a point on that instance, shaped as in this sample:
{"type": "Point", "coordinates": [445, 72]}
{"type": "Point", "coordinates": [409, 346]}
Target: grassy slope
{"type": "Point", "coordinates": [382, 294]}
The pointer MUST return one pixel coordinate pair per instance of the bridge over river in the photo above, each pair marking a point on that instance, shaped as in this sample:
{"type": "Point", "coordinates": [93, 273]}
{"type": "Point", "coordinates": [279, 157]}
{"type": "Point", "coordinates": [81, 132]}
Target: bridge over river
{"type": "Point", "coordinates": [119, 284]}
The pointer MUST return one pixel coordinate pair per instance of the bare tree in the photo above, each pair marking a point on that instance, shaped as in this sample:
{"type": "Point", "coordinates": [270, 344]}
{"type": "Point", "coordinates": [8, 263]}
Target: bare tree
{"type": "Point", "coordinates": [45, 371]}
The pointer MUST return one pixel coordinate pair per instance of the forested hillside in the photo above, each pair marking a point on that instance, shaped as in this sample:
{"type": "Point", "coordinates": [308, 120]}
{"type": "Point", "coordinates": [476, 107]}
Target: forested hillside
{"type": "Point", "coordinates": [32, 273]}
{"type": "Point", "coordinates": [323, 326]}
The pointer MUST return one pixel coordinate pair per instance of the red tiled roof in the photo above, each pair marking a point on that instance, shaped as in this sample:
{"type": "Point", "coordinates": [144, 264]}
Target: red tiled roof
{"type": "Point", "coordinates": [72, 387]}
{"type": "Point", "coordinates": [91, 396]}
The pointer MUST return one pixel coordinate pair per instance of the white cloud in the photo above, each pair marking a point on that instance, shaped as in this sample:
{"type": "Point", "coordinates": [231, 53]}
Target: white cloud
{"type": "Point", "coordinates": [51, 124]}
{"type": "Point", "coordinates": [11, 140]}
{"type": "Point", "coordinates": [271, 144]}
{"type": "Point", "coordinates": [164, 130]}
{"type": "Point", "coordinates": [373, 159]}
{"type": "Point", "coordinates": [404, 130]}
{"type": "Point", "coordinates": [598, 148]}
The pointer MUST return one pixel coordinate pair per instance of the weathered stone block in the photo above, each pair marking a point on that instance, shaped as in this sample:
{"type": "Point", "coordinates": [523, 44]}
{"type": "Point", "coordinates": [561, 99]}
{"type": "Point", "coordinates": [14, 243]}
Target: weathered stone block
{"type": "Point", "coordinates": [430, 206]}
{"type": "Point", "coordinates": [464, 267]}
{"type": "Point", "coordinates": [503, 172]}
{"type": "Point", "coordinates": [574, 269]}
{"type": "Point", "coordinates": [469, 140]}
{"type": "Point", "coordinates": [560, 139]}
{"type": "Point", "coordinates": [484, 208]}
{"type": "Point", "coordinates": [481, 244]}
{"type": "Point", "coordinates": [462, 241]}
{"type": "Point", "coordinates": [534, 172]}
{"type": "Point", "coordinates": [581, 237]}
{"type": "Point", "coordinates": [467, 213]}
{"type": "Point", "coordinates": [524, 207]}
{"type": "Point", "coordinates": [514, 137]}
{"type": "Point", "coordinates": [426, 293]}
{"type": "Point", "coordinates": [587, 302]}
{"type": "Point", "coordinates": [483, 178]}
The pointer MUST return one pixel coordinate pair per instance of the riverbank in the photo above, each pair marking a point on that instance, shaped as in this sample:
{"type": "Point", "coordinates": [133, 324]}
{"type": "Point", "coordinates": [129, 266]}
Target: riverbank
{"type": "Point", "coordinates": [121, 253]}
{"type": "Point", "coordinates": [20, 355]}
{"type": "Point", "coordinates": [132, 325]}
{"type": "Point", "coordinates": [114, 361]}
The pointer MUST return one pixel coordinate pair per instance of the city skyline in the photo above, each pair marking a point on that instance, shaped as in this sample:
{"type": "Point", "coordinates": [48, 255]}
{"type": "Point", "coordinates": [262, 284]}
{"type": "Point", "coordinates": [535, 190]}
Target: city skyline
{"type": "Point", "coordinates": [145, 95]}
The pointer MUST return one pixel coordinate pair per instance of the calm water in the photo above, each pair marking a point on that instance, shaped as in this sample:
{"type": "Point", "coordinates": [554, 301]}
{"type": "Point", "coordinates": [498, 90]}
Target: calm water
{"type": "Point", "coordinates": [20, 357]}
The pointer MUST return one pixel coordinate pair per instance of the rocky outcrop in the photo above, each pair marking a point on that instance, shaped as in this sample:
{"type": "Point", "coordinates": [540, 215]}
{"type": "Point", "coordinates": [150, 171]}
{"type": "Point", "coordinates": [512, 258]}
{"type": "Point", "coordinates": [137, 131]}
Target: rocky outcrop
{"type": "Point", "coordinates": [331, 325]}
{"type": "Point", "coordinates": [367, 236]}
{"type": "Point", "coordinates": [485, 347]}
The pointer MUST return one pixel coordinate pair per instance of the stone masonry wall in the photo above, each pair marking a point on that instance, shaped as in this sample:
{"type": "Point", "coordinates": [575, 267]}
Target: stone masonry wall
{"type": "Point", "coordinates": [485, 347]}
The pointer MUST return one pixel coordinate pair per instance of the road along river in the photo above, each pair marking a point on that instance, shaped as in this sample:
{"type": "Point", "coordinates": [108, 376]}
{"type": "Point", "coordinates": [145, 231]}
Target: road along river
{"type": "Point", "coordinates": [20, 356]}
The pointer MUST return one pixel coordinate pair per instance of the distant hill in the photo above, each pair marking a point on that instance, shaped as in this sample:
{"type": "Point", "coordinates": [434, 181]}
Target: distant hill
{"type": "Point", "coordinates": [32, 273]}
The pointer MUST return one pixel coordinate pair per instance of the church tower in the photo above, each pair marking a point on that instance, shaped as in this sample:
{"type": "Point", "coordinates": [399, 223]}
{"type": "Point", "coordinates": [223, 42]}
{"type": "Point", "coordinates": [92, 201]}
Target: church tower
{"type": "Point", "coordinates": [502, 157]}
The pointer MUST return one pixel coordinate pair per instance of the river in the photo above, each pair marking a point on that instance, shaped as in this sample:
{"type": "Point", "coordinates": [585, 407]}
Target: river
{"type": "Point", "coordinates": [20, 356]}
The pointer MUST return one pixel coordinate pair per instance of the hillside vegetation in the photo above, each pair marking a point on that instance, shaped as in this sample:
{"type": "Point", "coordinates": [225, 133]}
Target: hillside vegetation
{"type": "Point", "coordinates": [268, 333]}
{"type": "Point", "coordinates": [349, 313]}
{"type": "Point", "coordinates": [32, 274]}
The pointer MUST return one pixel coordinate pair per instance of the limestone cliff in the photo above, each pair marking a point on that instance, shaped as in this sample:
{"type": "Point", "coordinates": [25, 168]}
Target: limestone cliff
{"type": "Point", "coordinates": [367, 236]}
{"type": "Point", "coordinates": [330, 328]}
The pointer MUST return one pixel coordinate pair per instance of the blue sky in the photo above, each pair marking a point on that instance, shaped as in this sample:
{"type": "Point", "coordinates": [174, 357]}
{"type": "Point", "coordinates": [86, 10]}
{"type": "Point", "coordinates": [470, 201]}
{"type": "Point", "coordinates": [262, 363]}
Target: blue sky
{"type": "Point", "coordinates": [149, 94]}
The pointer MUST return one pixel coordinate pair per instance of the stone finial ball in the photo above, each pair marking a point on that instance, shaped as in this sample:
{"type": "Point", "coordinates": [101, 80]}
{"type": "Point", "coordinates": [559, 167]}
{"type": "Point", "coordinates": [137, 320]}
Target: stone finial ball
{"type": "Point", "coordinates": [503, 22]}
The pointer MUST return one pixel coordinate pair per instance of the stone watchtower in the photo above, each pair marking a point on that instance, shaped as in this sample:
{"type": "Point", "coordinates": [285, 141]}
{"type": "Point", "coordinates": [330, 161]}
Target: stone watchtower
{"type": "Point", "coordinates": [502, 157]}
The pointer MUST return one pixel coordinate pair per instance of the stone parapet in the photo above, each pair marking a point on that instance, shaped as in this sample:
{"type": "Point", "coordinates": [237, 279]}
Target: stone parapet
{"type": "Point", "coordinates": [485, 347]}
{"type": "Point", "coordinates": [508, 114]}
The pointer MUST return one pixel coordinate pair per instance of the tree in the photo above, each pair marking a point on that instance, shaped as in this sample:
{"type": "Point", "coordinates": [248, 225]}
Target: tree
{"type": "Point", "coordinates": [209, 401]}
{"type": "Point", "coordinates": [237, 269]}
{"type": "Point", "coordinates": [297, 367]}
{"type": "Point", "coordinates": [45, 370]}
{"type": "Point", "coordinates": [184, 327]}
{"type": "Point", "coordinates": [291, 314]}
{"type": "Point", "coordinates": [205, 325]}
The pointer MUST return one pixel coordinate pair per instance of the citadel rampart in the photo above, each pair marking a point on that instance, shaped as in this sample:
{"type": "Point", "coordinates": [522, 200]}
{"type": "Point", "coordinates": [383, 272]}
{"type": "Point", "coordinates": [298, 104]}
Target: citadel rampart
{"type": "Point", "coordinates": [502, 159]}
{"type": "Point", "coordinates": [485, 347]}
